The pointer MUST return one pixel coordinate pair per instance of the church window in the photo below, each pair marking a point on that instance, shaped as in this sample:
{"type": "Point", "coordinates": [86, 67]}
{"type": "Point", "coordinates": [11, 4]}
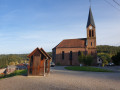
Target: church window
{"type": "Point", "coordinates": [91, 43]}
{"type": "Point", "coordinates": [62, 54]}
{"type": "Point", "coordinates": [79, 53]}
{"type": "Point", "coordinates": [92, 33]}
{"type": "Point", "coordinates": [89, 33]}
{"type": "Point", "coordinates": [70, 56]}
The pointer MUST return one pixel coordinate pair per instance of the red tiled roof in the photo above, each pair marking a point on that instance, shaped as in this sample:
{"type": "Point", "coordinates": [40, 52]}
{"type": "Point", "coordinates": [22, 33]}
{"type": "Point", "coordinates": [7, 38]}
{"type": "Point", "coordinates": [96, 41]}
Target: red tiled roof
{"type": "Point", "coordinates": [72, 43]}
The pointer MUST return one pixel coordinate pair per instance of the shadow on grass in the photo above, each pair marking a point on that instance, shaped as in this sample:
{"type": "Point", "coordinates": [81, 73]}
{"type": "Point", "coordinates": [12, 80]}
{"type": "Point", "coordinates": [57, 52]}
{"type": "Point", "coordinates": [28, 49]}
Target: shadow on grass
{"type": "Point", "coordinates": [15, 73]}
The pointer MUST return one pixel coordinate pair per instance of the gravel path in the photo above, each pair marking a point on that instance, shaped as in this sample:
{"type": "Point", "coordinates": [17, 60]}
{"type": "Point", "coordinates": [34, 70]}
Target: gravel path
{"type": "Point", "coordinates": [60, 79]}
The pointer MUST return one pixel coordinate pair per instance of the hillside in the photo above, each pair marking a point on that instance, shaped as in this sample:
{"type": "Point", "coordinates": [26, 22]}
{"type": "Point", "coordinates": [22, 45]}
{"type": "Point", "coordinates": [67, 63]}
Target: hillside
{"type": "Point", "coordinates": [108, 49]}
{"type": "Point", "coordinates": [20, 58]}
{"type": "Point", "coordinates": [13, 59]}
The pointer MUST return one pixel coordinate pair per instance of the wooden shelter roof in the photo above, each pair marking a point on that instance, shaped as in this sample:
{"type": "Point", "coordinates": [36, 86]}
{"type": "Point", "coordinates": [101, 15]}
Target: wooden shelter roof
{"type": "Point", "coordinates": [41, 50]}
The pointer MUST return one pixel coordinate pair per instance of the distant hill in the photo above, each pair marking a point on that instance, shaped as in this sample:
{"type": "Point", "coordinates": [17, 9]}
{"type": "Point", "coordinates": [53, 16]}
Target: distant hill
{"type": "Point", "coordinates": [20, 58]}
{"type": "Point", "coordinates": [8, 59]}
{"type": "Point", "coordinates": [12, 59]}
{"type": "Point", "coordinates": [108, 49]}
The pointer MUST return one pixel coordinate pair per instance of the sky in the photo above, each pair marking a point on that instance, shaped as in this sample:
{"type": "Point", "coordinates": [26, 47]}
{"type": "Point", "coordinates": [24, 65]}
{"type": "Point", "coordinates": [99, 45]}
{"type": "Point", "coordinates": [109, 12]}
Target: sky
{"type": "Point", "coordinates": [27, 24]}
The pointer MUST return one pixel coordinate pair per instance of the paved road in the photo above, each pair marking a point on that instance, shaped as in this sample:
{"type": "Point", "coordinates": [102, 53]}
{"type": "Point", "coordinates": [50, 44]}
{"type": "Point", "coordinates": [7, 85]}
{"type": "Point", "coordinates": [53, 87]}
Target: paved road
{"type": "Point", "coordinates": [113, 68]}
{"type": "Point", "coordinates": [60, 79]}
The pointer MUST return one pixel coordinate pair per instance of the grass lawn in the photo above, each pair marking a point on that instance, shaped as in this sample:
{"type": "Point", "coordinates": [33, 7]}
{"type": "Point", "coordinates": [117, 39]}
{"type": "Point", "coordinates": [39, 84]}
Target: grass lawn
{"type": "Point", "coordinates": [86, 68]}
{"type": "Point", "coordinates": [17, 72]}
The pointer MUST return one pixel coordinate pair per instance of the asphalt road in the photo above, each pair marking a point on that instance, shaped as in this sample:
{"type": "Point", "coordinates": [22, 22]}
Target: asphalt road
{"type": "Point", "coordinates": [61, 79]}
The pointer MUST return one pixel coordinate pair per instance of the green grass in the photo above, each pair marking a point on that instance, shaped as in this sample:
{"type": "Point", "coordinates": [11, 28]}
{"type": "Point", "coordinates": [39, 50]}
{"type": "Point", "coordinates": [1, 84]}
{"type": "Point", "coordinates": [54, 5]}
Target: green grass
{"type": "Point", "coordinates": [17, 72]}
{"type": "Point", "coordinates": [87, 68]}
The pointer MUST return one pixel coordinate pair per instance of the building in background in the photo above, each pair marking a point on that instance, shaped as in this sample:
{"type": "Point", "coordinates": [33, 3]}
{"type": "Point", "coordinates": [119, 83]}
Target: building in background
{"type": "Point", "coordinates": [67, 51]}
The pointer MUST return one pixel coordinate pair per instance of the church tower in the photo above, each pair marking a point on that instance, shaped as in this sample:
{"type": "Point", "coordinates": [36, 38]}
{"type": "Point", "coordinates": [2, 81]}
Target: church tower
{"type": "Point", "coordinates": [91, 34]}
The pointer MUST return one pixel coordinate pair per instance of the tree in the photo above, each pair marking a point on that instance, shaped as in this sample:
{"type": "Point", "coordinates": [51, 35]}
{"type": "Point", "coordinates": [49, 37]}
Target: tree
{"type": "Point", "coordinates": [85, 59]}
{"type": "Point", "coordinates": [7, 59]}
{"type": "Point", "coordinates": [116, 59]}
{"type": "Point", "coordinates": [16, 63]}
{"type": "Point", "coordinates": [111, 50]}
{"type": "Point", "coordinates": [12, 63]}
{"type": "Point", "coordinates": [81, 58]}
{"type": "Point", "coordinates": [89, 60]}
{"type": "Point", "coordinates": [104, 56]}
{"type": "Point", "coordinates": [104, 59]}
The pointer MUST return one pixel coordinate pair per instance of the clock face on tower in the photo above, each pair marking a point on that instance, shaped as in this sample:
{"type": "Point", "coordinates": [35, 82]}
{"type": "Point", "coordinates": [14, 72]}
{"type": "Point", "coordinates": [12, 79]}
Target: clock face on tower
{"type": "Point", "coordinates": [90, 27]}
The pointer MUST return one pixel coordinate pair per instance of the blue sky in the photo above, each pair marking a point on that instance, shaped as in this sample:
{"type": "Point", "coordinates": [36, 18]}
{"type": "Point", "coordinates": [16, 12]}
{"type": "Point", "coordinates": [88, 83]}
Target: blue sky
{"type": "Point", "coordinates": [27, 24]}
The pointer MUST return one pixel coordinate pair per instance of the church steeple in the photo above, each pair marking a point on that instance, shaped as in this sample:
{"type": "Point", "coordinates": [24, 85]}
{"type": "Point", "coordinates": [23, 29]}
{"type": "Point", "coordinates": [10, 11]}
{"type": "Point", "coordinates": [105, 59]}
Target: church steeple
{"type": "Point", "coordinates": [91, 31]}
{"type": "Point", "coordinates": [90, 19]}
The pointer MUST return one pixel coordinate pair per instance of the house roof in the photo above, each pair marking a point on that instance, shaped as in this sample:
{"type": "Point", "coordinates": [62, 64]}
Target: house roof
{"type": "Point", "coordinates": [41, 50]}
{"type": "Point", "coordinates": [90, 19]}
{"type": "Point", "coordinates": [72, 43]}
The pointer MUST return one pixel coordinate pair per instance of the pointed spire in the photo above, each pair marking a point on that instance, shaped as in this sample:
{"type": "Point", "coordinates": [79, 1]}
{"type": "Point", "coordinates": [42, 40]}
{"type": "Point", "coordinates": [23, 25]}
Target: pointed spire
{"type": "Point", "coordinates": [90, 19]}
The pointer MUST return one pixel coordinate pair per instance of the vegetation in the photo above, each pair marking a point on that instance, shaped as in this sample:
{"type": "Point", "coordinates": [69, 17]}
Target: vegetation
{"type": "Point", "coordinates": [12, 59]}
{"type": "Point", "coordinates": [58, 64]}
{"type": "Point", "coordinates": [105, 57]}
{"type": "Point", "coordinates": [116, 59]}
{"type": "Point", "coordinates": [86, 68]}
{"type": "Point", "coordinates": [85, 59]}
{"type": "Point", "coordinates": [49, 53]}
{"type": "Point", "coordinates": [17, 72]}
{"type": "Point", "coordinates": [111, 50]}
{"type": "Point", "coordinates": [104, 51]}
{"type": "Point", "coordinates": [109, 54]}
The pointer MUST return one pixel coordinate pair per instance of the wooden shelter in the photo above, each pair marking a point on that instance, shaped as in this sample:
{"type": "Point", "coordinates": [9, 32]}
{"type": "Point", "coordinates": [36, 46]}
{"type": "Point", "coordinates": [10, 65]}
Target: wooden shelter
{"type": "Point", "coordinates": [39, 63]}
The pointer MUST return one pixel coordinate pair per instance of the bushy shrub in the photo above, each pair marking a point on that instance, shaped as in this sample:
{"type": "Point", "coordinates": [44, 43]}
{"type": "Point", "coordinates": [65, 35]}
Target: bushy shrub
{"type": "Point", "coordinates": [58, 64]}
{"type": "Point", "coordinates": [89, 60]}
{"type": "Point", "coordinates": [85, 59]}
{"type": "Point", "coordinates": [105, 56]}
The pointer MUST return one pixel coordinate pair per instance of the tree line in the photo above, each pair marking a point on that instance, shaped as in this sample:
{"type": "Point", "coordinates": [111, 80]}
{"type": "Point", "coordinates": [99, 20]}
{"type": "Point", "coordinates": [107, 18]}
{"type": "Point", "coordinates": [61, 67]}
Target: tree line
{"type": "Point", "coordinates": [12, 59]}
{"type": "Point", "coordinates": [112, 50]}
{"type": "Point", "coordinates": [102, 50]}
{"type": "Point", "coordinates": [109, 54]}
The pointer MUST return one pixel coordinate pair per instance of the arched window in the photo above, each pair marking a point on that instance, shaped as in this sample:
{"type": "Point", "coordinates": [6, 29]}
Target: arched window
{"type": "Point", "coordinates": [70, 56]}
{"type": "Point", "coordinates": [92, 33]}
{"type": "Point", "coordinates": [79, 53]}
{"type": "Point", "coordinates": [89, 33]}
{"type": "Point", "coordinates": [91, 43]}
{"type": "Point", "coordinates": [62, 54]}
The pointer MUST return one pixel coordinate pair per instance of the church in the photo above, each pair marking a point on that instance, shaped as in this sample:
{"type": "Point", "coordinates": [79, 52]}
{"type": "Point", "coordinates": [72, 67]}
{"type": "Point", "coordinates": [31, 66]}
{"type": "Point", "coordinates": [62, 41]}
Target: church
{"type": "Point", "coordinates": [68, 50]}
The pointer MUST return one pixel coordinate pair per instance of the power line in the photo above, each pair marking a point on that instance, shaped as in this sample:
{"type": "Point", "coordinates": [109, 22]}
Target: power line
{"type": "Point", "coordinates": [116, 2]}
{"type": "Point", "coordinates": [112, 5]}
